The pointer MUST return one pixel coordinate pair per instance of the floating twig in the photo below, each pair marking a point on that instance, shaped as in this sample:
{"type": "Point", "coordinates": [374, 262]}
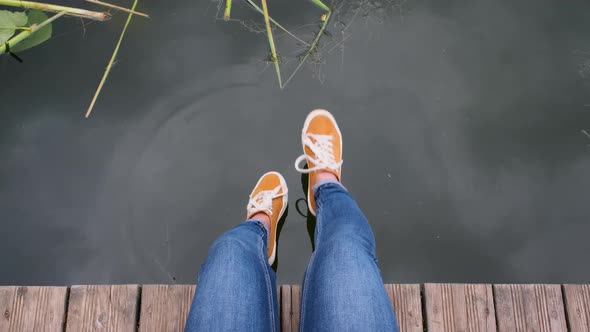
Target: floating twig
{"type": "Point", "coordinates": [99, 16]}
{"type": "Point", "coordinates": [123, 9]}
{"type": "Point", "coordinates": [313, 46]}
{"type": "Point", "coordinates": [110, 65]}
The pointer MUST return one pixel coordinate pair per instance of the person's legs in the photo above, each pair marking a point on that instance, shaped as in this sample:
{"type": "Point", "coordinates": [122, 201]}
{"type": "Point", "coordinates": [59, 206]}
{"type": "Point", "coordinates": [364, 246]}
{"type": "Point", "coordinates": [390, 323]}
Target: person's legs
{"type": "Point", "coordinates": [342, 287]}
{"type": "Point", "coordinates": [236, 287]}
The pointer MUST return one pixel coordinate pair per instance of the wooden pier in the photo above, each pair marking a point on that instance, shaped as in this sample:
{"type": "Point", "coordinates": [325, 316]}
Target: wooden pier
{"type": "Point", "coordinates": [430, 307]}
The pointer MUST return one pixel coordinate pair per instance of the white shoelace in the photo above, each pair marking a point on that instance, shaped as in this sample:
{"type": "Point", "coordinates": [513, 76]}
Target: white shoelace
{"type": "Point", "coordinates": [263, 200]}
{"type": "Point", "coordinates": [323, 149]}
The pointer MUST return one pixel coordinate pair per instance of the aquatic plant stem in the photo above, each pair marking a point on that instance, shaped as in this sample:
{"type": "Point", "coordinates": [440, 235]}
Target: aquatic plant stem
{"type": "Point", "coordinates": [314, 44]}
{"type": "Point", "coordinates": [25, 34]}
{"type": "Point", "coordinates": [110, 65]}
{"type": "Point", "coordinates": [271, 42]}
{"type": "Point", "coordinates": [123, 9]}
{"type": "Point", "coordinates": [16, 28]}
{"type": "Point", "coordinates": [258, 9]}
{"type": "Point", "coordinates": [99, 16]}
{"type": "Point", "coordinates": [227, 12]}
{"type": "Point", "coordinates": [322, 5]}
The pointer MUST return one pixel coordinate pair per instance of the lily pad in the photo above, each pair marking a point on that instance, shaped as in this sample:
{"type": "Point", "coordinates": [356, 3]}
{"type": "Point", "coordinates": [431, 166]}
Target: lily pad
{"type": "Point", "coordinates": [37, 37]}
{"type": "Point", "coordinates": [9, 21]}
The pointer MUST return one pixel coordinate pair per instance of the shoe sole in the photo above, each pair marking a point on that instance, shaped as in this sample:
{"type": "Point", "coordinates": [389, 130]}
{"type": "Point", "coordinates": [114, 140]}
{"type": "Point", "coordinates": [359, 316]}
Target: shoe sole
{"type": "Point", "coordinates": [310, 117]}
{"type": "Point", "coordinates": [273, 228]}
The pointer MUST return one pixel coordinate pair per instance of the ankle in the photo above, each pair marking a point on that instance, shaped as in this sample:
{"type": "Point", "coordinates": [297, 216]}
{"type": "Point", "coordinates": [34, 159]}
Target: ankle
{"type": "Point", "coordinates": [323, 176]}
{"type": "Point", "coordinates": [263, 218]}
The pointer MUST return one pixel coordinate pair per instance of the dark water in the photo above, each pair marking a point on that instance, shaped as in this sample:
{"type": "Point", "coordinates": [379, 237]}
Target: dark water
{"type": "Point", "coordinates": [462, 123]}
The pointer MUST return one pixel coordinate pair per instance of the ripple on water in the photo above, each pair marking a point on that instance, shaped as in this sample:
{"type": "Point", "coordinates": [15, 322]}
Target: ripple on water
{"type": "Point", "coordinates": [161, 184]}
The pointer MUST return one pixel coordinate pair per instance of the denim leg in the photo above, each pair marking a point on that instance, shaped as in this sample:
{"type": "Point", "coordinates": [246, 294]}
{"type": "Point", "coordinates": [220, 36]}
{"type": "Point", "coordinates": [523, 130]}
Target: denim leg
{"type": "Point", "coordinates": [342, 287]}
{"type": "Point", "coordinates": [236, 287]}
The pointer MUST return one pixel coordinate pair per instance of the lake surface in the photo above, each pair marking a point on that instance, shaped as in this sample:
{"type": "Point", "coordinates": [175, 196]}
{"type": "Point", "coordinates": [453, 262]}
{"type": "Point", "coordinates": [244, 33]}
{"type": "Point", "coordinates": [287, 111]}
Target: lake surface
{"type": "Point", "coordinates": [462, 120]}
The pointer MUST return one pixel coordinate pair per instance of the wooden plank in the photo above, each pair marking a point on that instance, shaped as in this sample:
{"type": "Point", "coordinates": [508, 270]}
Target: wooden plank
{"type": "Point", "coordinates": [459, 307]}
{"type": "Point", "coordinates": [165, 307]}
{"type": "Point", "coordinates": [32, 308]}
{"type": "Point", "coordinates": [577, 302]}
{"type": "Point", "coordinates": [407, 305]}
{"type": "Point", "coordinates": [6, 299]}
{"type": "Point", "coordinates": [108, 307]}
{"type": "Point", "coordinates": [295, 306]}
{"type": "Point", "coordinates": [286, 310]}
{"type": "Point", "coordinates": [530, 308]}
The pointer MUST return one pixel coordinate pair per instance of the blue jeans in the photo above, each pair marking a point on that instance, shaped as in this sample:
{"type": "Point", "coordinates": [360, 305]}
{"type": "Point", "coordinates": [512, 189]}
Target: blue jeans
{"type": "Point", "coordinates": [342, 287]}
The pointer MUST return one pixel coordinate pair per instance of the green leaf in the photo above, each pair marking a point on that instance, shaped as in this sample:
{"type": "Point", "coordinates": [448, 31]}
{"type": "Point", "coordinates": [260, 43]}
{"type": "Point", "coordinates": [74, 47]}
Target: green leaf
{"type": "Point", "coordinates": [9, 21]}
{"type": "Point", "coordinates": [39, 36]}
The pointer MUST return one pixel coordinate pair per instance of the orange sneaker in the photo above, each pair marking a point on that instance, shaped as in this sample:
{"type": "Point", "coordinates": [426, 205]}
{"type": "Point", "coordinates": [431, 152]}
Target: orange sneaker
{"type": "Point", "coordinates": [322, 149]}
{"type": "Point", "coordinates": [270, 197]}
